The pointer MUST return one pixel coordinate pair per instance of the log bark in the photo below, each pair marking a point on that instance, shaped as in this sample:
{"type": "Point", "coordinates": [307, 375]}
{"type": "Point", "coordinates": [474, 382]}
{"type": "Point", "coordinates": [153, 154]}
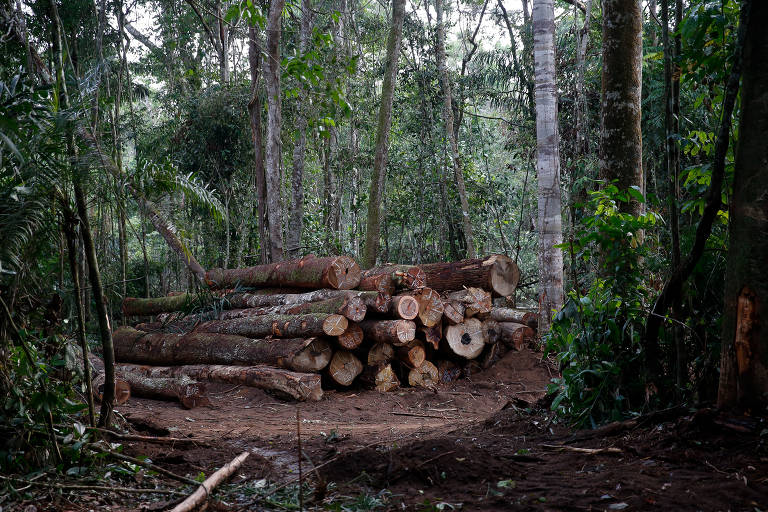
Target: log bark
{"type": "Point", "coordinates": [200, 496]}
{"type": "Point", "coordinates": [425, 376]}
{"type": "Point", "coordinates": [376, 301]}
{"type": "Point", "coordinates": [412, 354]}
{"type": "Point", "coordinates": [380, 353]}
{"type": "Point", "coordinates": [344, 367]}
{"type": "Point", "coordinates": [394, 332]}
{"type": "Point", "coordinates": [303, 355]}
{"type": "Point", "coordinates": [517, 335]}
{"type": "Point", "coordinates": [402, 276]}
{"type": "Point", "coordinates": [430, 306]}
{"type": "Point", "coordinates": [453, 311]}
{"type": "Point", "coordinates": [154, 306]}
{"type": "Point", "coordinates": [336, 272]}
{"type": "Point", "coordinates": [351, 338]}
{"type": "Point", "coordinates": [518, 316]}
{"type": "Point", "coordinates": [475, 300]}
{"type": "Point", "coordinates": [285, 326]}
{"type": "Point", "coordinates": [496, 273]}
{"type": "Point", "coordinates": [188, 392]}
{"type": "Point", "coordinates": [378, 282]}
{"type": "Point", "coordinates": [432, 335]}
{"type": "Point", "coordinates": [466, 339]}
{"type": "Point", "coordinates": [351, 307]}
{"type": "Point", "coordinates": [405, 307]}
{"type": "Point", "coordinates": [380, 377]}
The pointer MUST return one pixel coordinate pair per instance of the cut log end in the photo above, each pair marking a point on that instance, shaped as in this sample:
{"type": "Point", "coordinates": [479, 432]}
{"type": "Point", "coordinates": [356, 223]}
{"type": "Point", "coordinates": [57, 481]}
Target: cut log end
{"type": "Point", "coordinates": [344, 273]}
{"type": "Point", "coordinates": [314, 357]}
{"type": "Point", "coordinates": [505, 275]}
{"type": "Point", "coordinates": [466, 339]}
{"type": "Point", "coordinates": [380, 353]}
{"type": "Point", "coordinates": [405, 307]}
{"type": "Point", "coordinates": [355, 309]}
{"type": "Point", "coordinates": [425, 376]}
{"type": "Point", "coordinates": [430, 306]}
{"type": "Point", "coordinates": [344, 367]}
{"type": "Point", "coordinates": [351, 338]}
{"type": "Point", "coordinates": [386, 380]}
{"type": "Point", "coordinates": [413, 354]}
{"type": "Point", "coordinates": [335, 325]}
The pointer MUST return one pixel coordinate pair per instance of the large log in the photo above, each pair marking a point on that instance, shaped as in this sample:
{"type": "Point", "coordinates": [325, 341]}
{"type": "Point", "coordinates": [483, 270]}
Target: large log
{"type": "Point", "coordinates": [395, 332]}
{"type": "Point", "coordinates": [153, 306]}
{"type": "Point", "coordinates": [336, 272]}
{"type": "Point", "coordinates": [284, 326]}
{"type": "Point", "coordinates": [425, 376]}
{"type": "Point", "coordinates": [349, 306]}
{"type": "Point", "coordinates": [303, 355]}
{"type": "Point", "coordinates": [378, 282]}
{"type": "Point", "coordinates": [430, 306]}
{"type": "Point", "coordinates": [516, 335]}
{"type": "Point", "coordinates": [375, 301]}
{"type": "Point", "coordinates": [344, 367]}
{"type": "Point", "coordinates": [403, 276]}
{"type": "Point", "coordinates": [496, 273]}
{"type": "Point", "coordinates": [518, 316]}
{"type": "Point", "coordinates": [466, 339]}
{"type": "Point", "coordinates": [380, 377]}
{"type": "Point", "coordinates": [182, 388]}
{"type": "Point", "coordinates": [351, 338]}
{"type": "Point", "coordinates": [299, 386]}
{"type": "Point", "coordinates": [474, 300]}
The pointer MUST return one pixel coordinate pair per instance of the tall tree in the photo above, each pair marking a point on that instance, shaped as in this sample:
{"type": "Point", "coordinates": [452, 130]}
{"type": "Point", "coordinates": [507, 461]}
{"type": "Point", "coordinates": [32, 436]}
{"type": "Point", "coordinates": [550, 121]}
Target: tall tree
{"type": "Point", "coordinates": [744, 363]}
{"type": "Point", "coordinates": [373, 224]}
{"type": "Point", "coordinates": [450, 134]}
{"type": "Point", "coordinates": [272, 159]}
{"type": "Point", "coordinates": [550, 224]}
{"type": "Point", "coordinates": [254, 115]}
{"type": "Point", "coordinates": [621, 142]}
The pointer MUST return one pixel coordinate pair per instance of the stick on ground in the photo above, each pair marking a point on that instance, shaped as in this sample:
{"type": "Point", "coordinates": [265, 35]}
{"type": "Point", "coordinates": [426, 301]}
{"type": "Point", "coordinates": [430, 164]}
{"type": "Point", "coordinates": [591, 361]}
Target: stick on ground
{"type": "Point", "coordinates": [198, 497]}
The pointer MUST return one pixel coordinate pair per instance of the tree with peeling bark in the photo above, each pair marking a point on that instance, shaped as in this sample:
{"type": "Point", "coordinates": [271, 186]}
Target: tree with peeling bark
{"type": "Point", "coordinates": [547, 164]}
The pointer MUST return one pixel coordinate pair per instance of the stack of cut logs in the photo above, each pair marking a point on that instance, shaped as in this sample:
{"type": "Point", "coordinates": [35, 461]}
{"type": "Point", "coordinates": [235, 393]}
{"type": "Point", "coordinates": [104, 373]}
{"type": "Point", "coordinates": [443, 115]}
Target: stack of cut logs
{"type": "Point", "coordinates": [291, 327]}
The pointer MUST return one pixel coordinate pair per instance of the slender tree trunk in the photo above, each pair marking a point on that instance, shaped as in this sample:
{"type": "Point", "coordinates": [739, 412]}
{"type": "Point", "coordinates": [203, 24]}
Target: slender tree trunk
{"type": "Point", "coordinates": [373, 225]}
{"type": "Point", "coordinates": [450, 134]}
{"type": "Point", "coordinates": [296, 216]}
{"type": "Point", "coordinates": [744, 363]}
{"type": "Point", "coordinates": [223, 35]}
{"type": "Point", "coordinates": [272, 158]}
{"type": "Point", "coordinates": [254, 112]}
{"type": "Point", "coordinates": [548, 164]}
{"type": "Point", "coordinates": [621, 143]}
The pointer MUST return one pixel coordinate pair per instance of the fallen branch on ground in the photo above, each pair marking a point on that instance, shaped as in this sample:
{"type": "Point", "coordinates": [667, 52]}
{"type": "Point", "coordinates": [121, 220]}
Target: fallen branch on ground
{"type": "Point", "coordinates": [198, 497]}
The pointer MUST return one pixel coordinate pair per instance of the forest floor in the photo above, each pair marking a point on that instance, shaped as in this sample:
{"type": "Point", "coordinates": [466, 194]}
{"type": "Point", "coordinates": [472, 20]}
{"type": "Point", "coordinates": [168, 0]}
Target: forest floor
{"type": "Point", "coordinates": [473, 445]}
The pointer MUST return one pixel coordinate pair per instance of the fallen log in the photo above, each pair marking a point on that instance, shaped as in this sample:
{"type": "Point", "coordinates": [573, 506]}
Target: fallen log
{"type": "Point", "coordinates": [200, 496]}
{"type": "Point", "coordinates": [413, 354]}
{"type": "Point", "coordinates": [395, 332]}
{"type": "Point", "coordinates": [303, 355]}
{"type": "Point", "coordinates": [425, 376]}
{"type": "Point", "coordinates": [344, 367]}
{"type": "Point", "coordinates": [336, 272]}
{"type": "Point", "coordinates": [403, 276]}
{"type": "Point", "coordinates": [474, 300]}
{"type": "Point", "coordinates": [284, 383]}
{"type": "Point", "coordinates": [378, 282]}
{"type": "Point", "coordinates": [380, 353]}
{"type": "Point", "coordinates": [144, 307]}
{"type": "Point", "coordinates": [466, 339]}
{"type": "Point", "coordinates": [405, 307]}
{"type": "Point", "coordinates": [348, 306]}
{"type": "Point", "coordinates": [351, 338]}
{"type": "Point", "coordinates": [380, 377]}
{"type": "Point", "coordinates": [188, 392]}
{"type": "Point", "coordinates": [516, 335]}
{"type": "Point", "coordinates": [286, 326]}
{"type": "Point", "coordinates": [430, 306]}
{"type": "Point", "coordinates": [518, 316]}
{"type": "Point", "coordinates": [497, 273]}
{"type": "Point", "coordinates": [374, 301]}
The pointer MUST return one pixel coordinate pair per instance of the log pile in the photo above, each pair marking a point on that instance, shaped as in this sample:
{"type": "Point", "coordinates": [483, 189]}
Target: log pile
{"type": "Point", "coordinates": [294, 327]}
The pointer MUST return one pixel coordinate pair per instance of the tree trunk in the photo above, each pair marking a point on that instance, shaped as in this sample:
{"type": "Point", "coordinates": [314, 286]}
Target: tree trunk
{"type": "Point", "coordinates": [373, 224]}
{"type": "Point", "coordinates": [301, 355]}
{"type": "Point", "coordinates": [547, 164]}
{"type": "Point", "coordinates": [458, 173]}
{"type": "Point", "coordinates": [375, 301]}
{"type": "Point", "coordinates": [744, 362]}
{"type": "Point", "coordinates": [182, 389]}
{"type": "Point", "coordinates": [273, 157]}
{"type": "Point", "coordinates": [339, 272]}
{"type": "Point", "coordinates": [254, 115]}
{"type": "Point", "coordinates": [466, 339]}
{"type": "Point", "coordinates": [497, 273]}
{"type": "Point", "coordinates": [348, 306]}
{"type": "Point", "coordinates": [298, 386]}
{"type": "Point", "coordinates": [285, 326]}
{"type": "Point", "coordinates": [621, 143]}
{"type": "Point", "coordinates": [394, 332]}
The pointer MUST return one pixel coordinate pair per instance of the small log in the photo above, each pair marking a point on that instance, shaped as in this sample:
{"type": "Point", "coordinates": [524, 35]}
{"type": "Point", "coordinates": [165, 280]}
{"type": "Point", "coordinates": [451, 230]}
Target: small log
{"type": "Point", "coordinates": [200, 496]}
{"type": "Point", "coordinates": [285, 326]}
{"type": "Point", "coordinates": [378, 282]}
{"type": "Point", "coordinates": [380, 353]}
{"type": "Point", "coordinates": [432, 335]}
{"type": "Point", "coordinates": [412, 355]}
{"type": "Point", "coordinates": [448, 371]}
{"type": "Point", "coordinates": [430, 306]}
{"type": "Point", "coordinates": [403, 276]}
{"type": "Point", "coordinates": [395, 332]}
{"type": "Point", "coordinates": [405, 307]}
{"type": "Point", "coordinates": [453, 311]}
{"type": "Point", "coordinates": [497, 273]}
{"type": "Point", "coordinates": [284, 383]}
{"type": "Point", "coordinates": [425, 376]}
{"type": "Point", "coordinates": [344, 367]}
{"type": "Point", "coordinates": [280, 297]}
{"type": "Point", "coordinates": [336, 272]}
{"type": "Point", "coordinates": [351, 338]}
{"type": "Point", "coordinates": [189, 393]}
{"type": "Point", "coordinates": [517, 316]}
{"type": "Point", "coordinates": [304, 355]}
{"type": "Point", "coordinates": [466, 339]}
{"type": "Point", "coordinates": [380, 377]}
{"type": "Point", "coordinates": [475, 300]}
{"type": "Point", "coordinates": [516, 335]}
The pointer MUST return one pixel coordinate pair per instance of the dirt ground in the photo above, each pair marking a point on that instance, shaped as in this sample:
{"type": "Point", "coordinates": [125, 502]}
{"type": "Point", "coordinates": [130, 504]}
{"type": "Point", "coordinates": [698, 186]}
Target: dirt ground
{"type": "Point", "coordinates": [472, 445]}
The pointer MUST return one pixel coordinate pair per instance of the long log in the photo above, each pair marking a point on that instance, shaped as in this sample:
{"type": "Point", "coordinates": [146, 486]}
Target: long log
{"type": "Point", "coordinates": [336, 272]}
{"type": "Point", "coordinates": [497, 273]}
{"type": "Point", "coordinates": [474, 300]}
{"type": "Point", "coordinates": [144, 307]}
{"type": "Point", "coordinates": [430, 306]}
{"type": "Point", "coordinates": [518, 316]}
{"type": "Point", "coordinates": [516, 335]}
{"type": "Point", "coordinates": [351, 338]}
{"type": "Point", "coordinates": [378, 282]}
{"type": "Point", "coordinates": [344, 367]}
{"type": "Point", "coordinates": [375, 301]}
{"type": "Point", "coordinates": [380, 377]}
{"type": "Point", "coordinates": [188, 392]}
{"type": "Point", "coordinates": [395, 332]}
{"type": "Point", "coordinates": [425, 376]}
{"type": "Point", "coordinates": [284, 383]}
{"type": "Point", "coordinates": [285, 326]}
{"type": "Point", "coordinates": [303, 355]}
{"type": "Point", "coordinates": [403, 276]}
{"type": "Point", "coordinates": [349, 306]}
{"type": "Point", "coordinates": [466, 339]}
